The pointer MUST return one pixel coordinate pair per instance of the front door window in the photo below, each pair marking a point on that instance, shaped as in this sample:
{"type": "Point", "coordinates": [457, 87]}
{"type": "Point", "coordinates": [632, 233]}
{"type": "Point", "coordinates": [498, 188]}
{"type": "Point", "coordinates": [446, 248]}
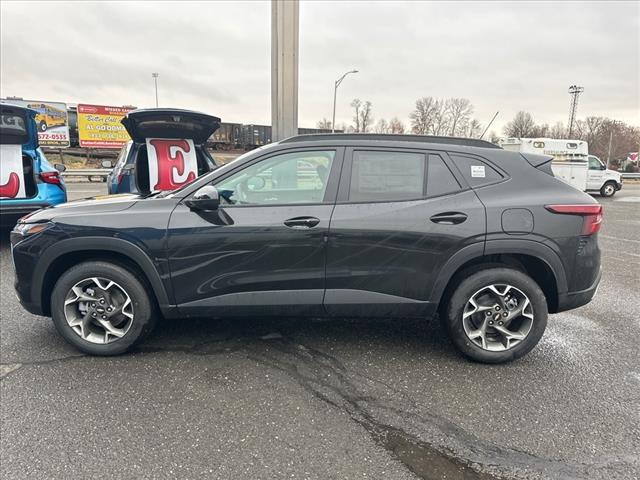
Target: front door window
{"type": "Point", "coordinates": [289, 178]}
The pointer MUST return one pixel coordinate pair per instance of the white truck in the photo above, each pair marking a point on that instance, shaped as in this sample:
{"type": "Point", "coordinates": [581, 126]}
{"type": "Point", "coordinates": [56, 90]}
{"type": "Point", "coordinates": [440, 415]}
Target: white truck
{"type": "Point", "coordinates": [571, 163]}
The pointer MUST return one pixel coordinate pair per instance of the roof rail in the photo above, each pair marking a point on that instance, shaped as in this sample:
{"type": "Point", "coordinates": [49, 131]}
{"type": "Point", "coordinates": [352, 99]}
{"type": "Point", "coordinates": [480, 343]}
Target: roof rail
{"type": "Point", "coordinates": [468, 142]}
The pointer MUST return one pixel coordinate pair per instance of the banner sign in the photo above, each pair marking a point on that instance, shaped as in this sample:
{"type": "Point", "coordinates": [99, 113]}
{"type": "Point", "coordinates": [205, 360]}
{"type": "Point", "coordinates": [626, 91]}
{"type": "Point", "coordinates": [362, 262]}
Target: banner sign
{"type": "Point", "coordinates": [99, 126]}
{"type": "Point", "coordinates": [172, 163]}
{"type": "Point", "coordinates": [52, 121]}
{"type": "Point", "coordinates": [11, 173]}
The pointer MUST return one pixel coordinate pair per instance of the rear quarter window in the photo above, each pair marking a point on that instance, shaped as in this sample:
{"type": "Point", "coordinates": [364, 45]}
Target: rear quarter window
{"type": "Point", "coordinates": [475, 171]}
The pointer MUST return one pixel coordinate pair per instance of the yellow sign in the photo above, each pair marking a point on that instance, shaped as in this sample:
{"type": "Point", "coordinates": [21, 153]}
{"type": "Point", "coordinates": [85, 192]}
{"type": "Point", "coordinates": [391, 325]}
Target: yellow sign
{"type": "Point", "coordinates": [99, 126]}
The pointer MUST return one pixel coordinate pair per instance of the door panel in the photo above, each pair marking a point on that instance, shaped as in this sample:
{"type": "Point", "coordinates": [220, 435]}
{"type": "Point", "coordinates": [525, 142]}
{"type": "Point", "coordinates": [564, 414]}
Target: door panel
{"type": "Point", "coordinates": [396, 251]}
{"type": "Point", "coordinates": [384, 257]}
{"type": "Point", "coordinates": [218, 259]}
{"type": "Point", "coordinates": [257, 254]}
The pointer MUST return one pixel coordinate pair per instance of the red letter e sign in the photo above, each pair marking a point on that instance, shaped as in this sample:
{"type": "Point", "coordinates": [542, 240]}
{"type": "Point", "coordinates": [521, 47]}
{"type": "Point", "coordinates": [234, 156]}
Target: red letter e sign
{"type": "Point", "coordinates": [172, 163]}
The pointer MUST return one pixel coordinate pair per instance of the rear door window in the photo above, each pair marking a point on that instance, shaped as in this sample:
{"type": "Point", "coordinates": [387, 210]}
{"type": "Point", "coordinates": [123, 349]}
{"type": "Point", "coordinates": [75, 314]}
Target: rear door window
{"type": "Point", "coordinates": [378, 176]}
{"type": "Point", "coordinates": [440, 180]}
{"type": "Point", "coordinates": [475, 171]}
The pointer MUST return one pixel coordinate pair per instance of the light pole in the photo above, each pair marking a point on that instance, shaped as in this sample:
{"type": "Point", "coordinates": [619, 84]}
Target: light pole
{"type": "Point", "coordinates": [155, 81]}
{"type": "Point", "coordinates": [335, 90]}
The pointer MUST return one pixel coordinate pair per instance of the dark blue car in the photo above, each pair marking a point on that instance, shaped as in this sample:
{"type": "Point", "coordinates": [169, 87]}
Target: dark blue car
{"type": "Point", "coordinates": [39, 183]}
{"type": "Point", "coordinates": [131, 171]}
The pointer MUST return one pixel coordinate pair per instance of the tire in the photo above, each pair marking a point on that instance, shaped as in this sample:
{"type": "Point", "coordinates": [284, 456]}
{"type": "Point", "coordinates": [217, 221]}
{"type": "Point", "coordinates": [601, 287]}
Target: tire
{"type": "Point", "coordinates": [131, 320]}
{"type": "Point", "coordinates": [608, 189]}
{"type": "Point", "coordinates": [43, 126]}
{"type": "Point", "coordinates": [486, 347]}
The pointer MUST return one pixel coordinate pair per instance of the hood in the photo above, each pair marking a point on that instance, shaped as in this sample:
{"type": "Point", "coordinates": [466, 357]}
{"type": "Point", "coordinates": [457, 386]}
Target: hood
{"type": "Point", "coordinates": [170, 123]}
{"type": "Point", "coordinates": [18, 126]}
{"type": "Point", "coordinates": [86, 206]}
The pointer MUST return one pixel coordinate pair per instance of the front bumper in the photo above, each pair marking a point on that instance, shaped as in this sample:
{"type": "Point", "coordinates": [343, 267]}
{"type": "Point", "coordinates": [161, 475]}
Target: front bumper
{"type": "Point", "coordinates": [571, 300]}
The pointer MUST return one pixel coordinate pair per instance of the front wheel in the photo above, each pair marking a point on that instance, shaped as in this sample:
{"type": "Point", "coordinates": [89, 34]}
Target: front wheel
{"type": "Point", "coordinates": [496, 315]}
{"type": "Point", "coordinates": [101, 308]}
{"type": "Point", "coordinates": [43, 126]}
{"type": "Point", "coordinates": [608, 189]}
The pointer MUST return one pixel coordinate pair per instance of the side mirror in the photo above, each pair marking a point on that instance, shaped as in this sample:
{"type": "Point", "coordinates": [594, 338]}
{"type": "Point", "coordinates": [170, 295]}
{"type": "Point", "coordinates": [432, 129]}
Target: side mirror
{"type": "Point", "coordinates": [206, 198]}
{"type": "Point", "coordinates": [106, 164]}
{"type": "Point", "coordinates": [256, 183]}
{"type": "Point", "coordinates": [60, 167]}
{"type": "Point", "coordinates": [603, 167]}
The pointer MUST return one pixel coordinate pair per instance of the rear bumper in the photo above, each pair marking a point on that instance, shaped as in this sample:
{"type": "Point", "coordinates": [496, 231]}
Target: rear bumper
{"type": "Point", "coordinates": [571, 300]}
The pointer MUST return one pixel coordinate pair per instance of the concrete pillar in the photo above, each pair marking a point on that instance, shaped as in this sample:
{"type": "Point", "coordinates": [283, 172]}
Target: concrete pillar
{"type": "Point", "coordinates": [284, 68]}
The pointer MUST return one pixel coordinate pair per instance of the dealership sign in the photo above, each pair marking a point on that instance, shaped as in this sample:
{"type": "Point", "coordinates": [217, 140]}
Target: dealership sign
{"type": "Point", "coordinates": [52, 121]}
{"type": "Point", "coordinates": [99, 126]}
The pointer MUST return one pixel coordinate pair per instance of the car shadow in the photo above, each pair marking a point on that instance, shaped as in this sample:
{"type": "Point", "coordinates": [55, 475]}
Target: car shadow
{"type": "Point", "coordinates": [229, 334]}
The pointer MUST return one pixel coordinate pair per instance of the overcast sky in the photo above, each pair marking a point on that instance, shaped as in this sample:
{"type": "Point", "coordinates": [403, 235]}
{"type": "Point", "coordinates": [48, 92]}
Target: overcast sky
{"type": "Point", "coordinates": [215, 56]}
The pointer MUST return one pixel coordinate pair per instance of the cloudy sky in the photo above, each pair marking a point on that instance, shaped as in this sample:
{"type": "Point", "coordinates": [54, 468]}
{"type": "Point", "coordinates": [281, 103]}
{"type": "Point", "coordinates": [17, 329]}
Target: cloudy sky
{"type": "Point", "coordinates": [215, 56]}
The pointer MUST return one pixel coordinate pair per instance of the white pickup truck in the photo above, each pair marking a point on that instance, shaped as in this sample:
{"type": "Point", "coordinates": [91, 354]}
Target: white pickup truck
{"type": "Point", "coordinates": [571, 163]}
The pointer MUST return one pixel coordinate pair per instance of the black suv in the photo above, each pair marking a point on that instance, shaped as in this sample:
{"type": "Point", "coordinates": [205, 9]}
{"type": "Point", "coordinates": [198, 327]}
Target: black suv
{"type": "Point", "coordinates": [324, 225]}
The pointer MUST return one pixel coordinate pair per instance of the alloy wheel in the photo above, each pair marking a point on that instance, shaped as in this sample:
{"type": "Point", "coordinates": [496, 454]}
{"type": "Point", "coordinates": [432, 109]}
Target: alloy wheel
{"type": "Point", "coordinates": [497, 317]}
{"type": "Point", "coordinates": [98, 310]}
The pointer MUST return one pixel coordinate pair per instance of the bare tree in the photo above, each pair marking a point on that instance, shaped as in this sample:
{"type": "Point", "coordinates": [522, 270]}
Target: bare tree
{"type": "Point", "coordinates": [324, 124]}
{"type": "Point", "coordinates": [473, 129]}
{"type": "Point", "coordinates": [356, 104]}
{"type": "Point", "coordinates": [366, 119]}
{"type": "Point", "coordinates": [458, 111]}
{"type": "Point", "coordinates": [540, 130]}
{"type": "Point", "coordinates": [382, 126]}
{"type": "Point", "coordinates": [558, 131]}
{"type": "Point", "coordinates": [396, 126]}
{"type": "Point", "coordinates": [521, 126]}
{"type": "Point", "coordinates": [422, 116]}
{"type": "Point", "coordinates": [440, 124]}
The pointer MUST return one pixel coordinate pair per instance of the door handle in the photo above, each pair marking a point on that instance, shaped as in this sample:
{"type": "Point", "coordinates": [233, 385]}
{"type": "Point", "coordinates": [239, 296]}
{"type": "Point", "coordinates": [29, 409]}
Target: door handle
{"type": "Point", "coordinates": [449, 218]}
{"type": "Point", "coordinates": [302, 222]}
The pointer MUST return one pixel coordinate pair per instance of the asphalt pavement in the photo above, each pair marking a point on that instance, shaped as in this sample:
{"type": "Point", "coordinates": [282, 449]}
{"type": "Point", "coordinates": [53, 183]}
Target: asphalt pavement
{"type": "Point", "coordinates": [331, 399]}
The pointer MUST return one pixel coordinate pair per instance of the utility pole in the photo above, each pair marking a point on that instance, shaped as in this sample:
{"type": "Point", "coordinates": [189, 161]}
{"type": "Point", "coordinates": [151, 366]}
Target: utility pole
{"type": "Point", "coordinates": [335, 90]}
{"type": "Point", "coordinates": [155, 76]}
{"type": "Point", "coordinates": [575, 92]}
{"type": "Point", "coordinates": [285, 18]}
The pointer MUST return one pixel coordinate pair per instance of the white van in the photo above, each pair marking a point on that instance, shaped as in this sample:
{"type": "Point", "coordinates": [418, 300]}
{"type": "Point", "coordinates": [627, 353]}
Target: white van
{"type": "Point", "coordinates": [571, 163]}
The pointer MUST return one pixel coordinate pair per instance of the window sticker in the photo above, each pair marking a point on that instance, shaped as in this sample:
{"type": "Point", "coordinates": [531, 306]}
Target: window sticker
{"type": "Point", "coordinates": [11, 172]}
{"type": "Point", "coordinates": [172, 162]}
{"type": "Point", "coordinates": [477, 171]}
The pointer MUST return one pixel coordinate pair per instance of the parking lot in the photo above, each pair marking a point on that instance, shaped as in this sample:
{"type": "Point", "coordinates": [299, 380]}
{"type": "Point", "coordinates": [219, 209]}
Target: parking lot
{"type": "Point", "coordinates": [337, 398]}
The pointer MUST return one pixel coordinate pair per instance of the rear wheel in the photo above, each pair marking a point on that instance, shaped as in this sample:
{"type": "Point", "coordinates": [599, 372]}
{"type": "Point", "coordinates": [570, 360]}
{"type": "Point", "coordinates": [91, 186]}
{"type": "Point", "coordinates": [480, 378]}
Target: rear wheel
{"type": "Point", "coordinates": [101, 308]}
{"type": "Point", "coordinates": [43, 126]}
{"type": "Point", "coordinates": [608, 189]}
{"type": "Point", "coordinates": [496, 315]}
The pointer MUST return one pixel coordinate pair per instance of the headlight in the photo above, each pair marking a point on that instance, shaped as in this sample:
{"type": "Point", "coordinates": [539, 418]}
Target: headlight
{"type": "Point", "coordinates": [24, 230]}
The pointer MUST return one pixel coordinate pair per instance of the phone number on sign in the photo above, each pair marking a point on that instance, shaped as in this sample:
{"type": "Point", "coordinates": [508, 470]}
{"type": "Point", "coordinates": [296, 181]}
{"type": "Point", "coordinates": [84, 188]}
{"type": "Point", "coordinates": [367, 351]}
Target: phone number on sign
{"type": "Point", "coordinates": [52, 136]}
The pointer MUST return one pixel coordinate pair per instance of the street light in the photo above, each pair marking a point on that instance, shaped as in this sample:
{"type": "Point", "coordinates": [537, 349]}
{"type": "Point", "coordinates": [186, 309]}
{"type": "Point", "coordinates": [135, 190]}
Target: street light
{"type": "Point", "coordinates": [155, 81]}
{"type": "Point", "coordinates": [335, 90]}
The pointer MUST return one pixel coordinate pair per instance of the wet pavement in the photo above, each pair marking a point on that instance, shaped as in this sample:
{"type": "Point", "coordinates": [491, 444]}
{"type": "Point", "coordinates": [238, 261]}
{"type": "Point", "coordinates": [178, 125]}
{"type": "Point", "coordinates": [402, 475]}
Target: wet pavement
{"type": "Point", "coordinates": [295, 398]}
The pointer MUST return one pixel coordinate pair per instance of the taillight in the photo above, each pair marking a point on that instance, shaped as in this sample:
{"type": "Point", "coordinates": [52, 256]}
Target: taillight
{"type": "Point", "coordinates": [51, 177]}
{"type": "Point", "coordinates": [592, 215]}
